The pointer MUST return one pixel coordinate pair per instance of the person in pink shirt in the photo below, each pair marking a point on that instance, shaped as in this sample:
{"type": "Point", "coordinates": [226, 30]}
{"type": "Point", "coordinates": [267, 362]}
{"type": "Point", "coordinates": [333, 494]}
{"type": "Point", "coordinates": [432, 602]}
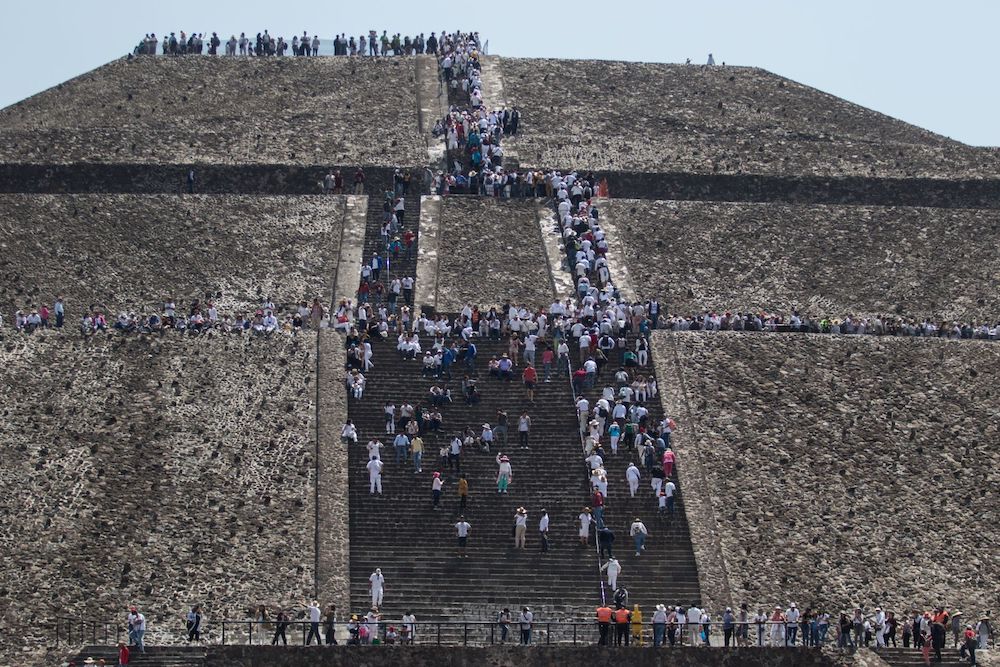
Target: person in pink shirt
{"type": "Point", "coordinates": [668, 463]}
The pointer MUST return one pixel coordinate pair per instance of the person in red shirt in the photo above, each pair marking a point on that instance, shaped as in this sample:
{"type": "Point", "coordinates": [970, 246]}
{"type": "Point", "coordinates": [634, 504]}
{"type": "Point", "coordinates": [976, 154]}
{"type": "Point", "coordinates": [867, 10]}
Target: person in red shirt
{"type": "Point", "coordinates": [530, 378]}
{"type": "Point", "coordinates": [123, 654]}
{"type": "Point", "coordinates": [408, 237]}
{"type": "Point", "coordinates": [548, 357]}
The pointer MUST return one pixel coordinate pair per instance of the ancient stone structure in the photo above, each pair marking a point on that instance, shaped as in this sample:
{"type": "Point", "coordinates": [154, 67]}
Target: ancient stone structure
{"type": "Point", "coordinates": [491, 252]}
{"type": "Point", "coordinates": [157, 471]}
{"type": "Point", "coordinates": [823, 260]}
{"type": "Point", "coordinates": [172, 470]}
{"type": "Point", "coordinates": [617, 116]}
{"type": "Point", "coordinates": [133, 252]}
{"type": "Point", "coordinates": [200, 110]}
{"type": "Point", "coordinates": [839, 470]}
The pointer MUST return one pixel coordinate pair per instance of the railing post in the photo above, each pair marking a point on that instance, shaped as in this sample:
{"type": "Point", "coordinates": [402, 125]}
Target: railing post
{"type": "Point", "coordinates": [250, 632]}
{"type": "Point", "coordinates": [304, 633]}
{"type": "Point", "coordinates": [105, 634]}
{"type": "Point", "coordinates": [465, 634]}
{"type": "Point", "coordinates": [439, 633]}
{"type": "Point", "coordinates": [548, 633]}
{"type": "Point", "coordinates": [574, 633]}
{"type": "Point", "coordinates": [223, 633]}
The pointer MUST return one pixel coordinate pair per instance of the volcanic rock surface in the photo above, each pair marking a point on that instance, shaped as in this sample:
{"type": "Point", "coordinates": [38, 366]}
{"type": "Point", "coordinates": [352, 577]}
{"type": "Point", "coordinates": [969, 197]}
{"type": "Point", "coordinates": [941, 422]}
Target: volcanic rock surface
{"type": "Point", "coordinates": [164, 472]}
{"type": "Point", "coordinates": [194, 109]}
{"type": "Point", "coordinates": [823, 260]}
{"type": "Point", "coordinates": [841, 470]}
{"type": "Point", "coordinates": [608, 115]}
{"type": "Point", "coordinates": [133, 252]}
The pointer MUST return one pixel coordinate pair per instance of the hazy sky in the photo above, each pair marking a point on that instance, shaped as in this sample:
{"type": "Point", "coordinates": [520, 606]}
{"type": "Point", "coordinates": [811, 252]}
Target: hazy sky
{"type": "Point", "coordinates": [929, 63]}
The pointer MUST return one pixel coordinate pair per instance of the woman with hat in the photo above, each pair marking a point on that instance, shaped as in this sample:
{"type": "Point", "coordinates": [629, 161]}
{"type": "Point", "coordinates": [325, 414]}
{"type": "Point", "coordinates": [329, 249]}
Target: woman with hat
{"type": "Point", "coordinates": [520, 527]}
{"type": "Point", "coordinates": [659, 624]}
{"type": "Point", "coordinates": [504, 473]}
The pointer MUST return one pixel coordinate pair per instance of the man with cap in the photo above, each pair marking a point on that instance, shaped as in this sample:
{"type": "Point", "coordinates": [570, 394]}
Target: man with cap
{"type": "Point", "coordinates": [525, 621]}
{"type": "Point", "coordinates": [728, 625]}
{"type": "Point", "coordinates": [638, 532]}
{"type": "Point", "coordinates": [520, 527]}
{"type": "Point", "coordinates": [376, 583]}
{"type": "Point", "coordinates": [659, 624]}
{"type": "Point", "coordinates": [614, 568]}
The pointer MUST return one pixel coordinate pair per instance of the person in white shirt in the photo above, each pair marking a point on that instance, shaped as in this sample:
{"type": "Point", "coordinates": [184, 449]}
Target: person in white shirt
{"type": "Point", "coordinates": [543, 530]}
{"type": "Point", "coordinates": [314, 616]}
{"type": "Point", "coordinates": [585, 521]}
{"type": "Point", "coordinates": [632, 475]}
{"type": "Point", "coordinates": [693, 618]}
{"type": "Point", "coordinates": [349, 433]}
{"type": "Point", "coordinates": [462, 528]}
{"type": "Point", "coordinates": [409, 627]}
{"type": "Point", "coordinates": [520, 527]}
{"type": "Point", "coordinates": [375, 476]}
{"type": "Point", "coordinates": [613, 568]}
{"type": "Point", "coordinates": [525, 621]}
{"type": "Point", "coordinates": [376, 586]}
{"type": "Point", "coordinates": [638, 532]}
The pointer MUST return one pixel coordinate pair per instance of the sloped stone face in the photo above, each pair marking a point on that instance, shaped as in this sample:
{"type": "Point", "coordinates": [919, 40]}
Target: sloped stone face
{"type": "Point", "coordinates": [296, 111]}
{"type": "Point", "coordinates": [165, 472]}
{"type": "Point", "coordinates": [843, 470]}
{"type": "Point", "coordinates": [135, 251]}
{"type": "Point", "coordinates": [653, 117]}
{"type": "Point", "coordinates": [491, 252]}
{"type": "Point", "coordinates": [823, 260]}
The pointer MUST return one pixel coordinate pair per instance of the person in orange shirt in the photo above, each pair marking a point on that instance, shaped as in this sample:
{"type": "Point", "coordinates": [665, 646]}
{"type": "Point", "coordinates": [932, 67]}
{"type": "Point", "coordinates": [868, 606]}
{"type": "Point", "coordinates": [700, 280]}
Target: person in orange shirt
{"type": "Point", "coordinates": [622, 617]}
{"type": "Point", "coordinates": [603, 623]}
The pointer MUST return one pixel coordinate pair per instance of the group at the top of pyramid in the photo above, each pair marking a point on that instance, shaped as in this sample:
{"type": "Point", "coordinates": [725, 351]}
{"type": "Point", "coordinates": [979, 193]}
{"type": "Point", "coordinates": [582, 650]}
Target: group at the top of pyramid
{"type": "Point", "coordinates": [264, 44]}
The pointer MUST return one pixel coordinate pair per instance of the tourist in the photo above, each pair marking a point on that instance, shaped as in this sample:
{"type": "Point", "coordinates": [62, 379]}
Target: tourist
{"type": "Point", "coordinates": [543, 531]}
{"type": "Point", "coordinates": [330, 625]}
{"type": "Point", "coordinates": [409, 627]}
{"type": "Point", "coordinates": [313, 612]}
{"type": "Point", "coordinates": [613, 568]}
{"type": "Point", "coordinates": [520, 527]}
{"type": "Point", "coordinates": [523, 429]}
{"type": "Point", "coordinates": [437, 484]}
{"type": "Point", "coordinates": [504, 473]}
{"type": "Point", "coordinates": [632, 476]}
{"type": "Point", "coordinates": [194, 624]}
{"type": "Point", "coordinates": [585, 520]}
{"type": "Point", "coordinates": [526, 621]}
{"type": "Point", "coordinates": [374, 476]}
{"type": "Point", "coordinates": [637, 624]}
{"type": "Point", "coordinates": [530, 378]}
{"type": "Point", "coordinates": [376, 584]}
{"type": "Point", "coordinates": [638, 533]}
{"type": "Point", "coordinates": [462, 529]}
{"type": "Point", "coordinates": [503, 621]}
{"type": "Point", "coordinates": [136, 628]}
{"type": "Point", "coordinates": [622, 617]}
{"type": "Point", "coordinates": [280, 625]}
{"type": "Point", "coordinates": [123, 654]}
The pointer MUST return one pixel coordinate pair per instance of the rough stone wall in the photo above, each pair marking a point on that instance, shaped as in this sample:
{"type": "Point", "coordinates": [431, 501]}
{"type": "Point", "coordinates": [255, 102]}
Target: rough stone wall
{"type": "Point", "coordinates": [490, 252]}
{"type": "Point", "coordinates": [203, 110]}
{"type": "Point", "coordinates": [608, 115]}
{"type": "Point", "coordinates": [162, 472]}
{"type": "Point", "coordinates": [843, 470]}
{"type": "Point", "coordinates": [135, 251]}
{"type": "Point", "coordinates": [333, 575]}
{"type": "Point", "coordinates": [824, 260]}
{"type": "Point", "coordinates": [509, 656]}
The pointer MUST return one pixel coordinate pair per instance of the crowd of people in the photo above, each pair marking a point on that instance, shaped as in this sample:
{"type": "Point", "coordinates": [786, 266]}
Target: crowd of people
{"type": "Point", "coordinates": [265, 44]}
{"type": "Point", "coordinates": [193, 318]}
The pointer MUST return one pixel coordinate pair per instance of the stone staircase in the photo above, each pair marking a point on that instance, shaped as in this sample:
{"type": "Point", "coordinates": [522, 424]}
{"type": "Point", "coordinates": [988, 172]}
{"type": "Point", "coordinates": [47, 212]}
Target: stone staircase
{"type": "Point", "coordinates": [155, 656]}
{"type": "Point", "coordinates": [376, 188]}
{"type": "Point", "coordinates": [416, 547]}
{"type": "Point", "coordinates": [666, 571]}
{"type": "Point", "coordinates": [907, 657]}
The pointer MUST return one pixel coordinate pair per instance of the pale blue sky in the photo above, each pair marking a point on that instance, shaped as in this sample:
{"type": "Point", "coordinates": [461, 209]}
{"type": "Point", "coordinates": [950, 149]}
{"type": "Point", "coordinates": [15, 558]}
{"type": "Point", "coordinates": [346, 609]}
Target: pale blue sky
{"type": "Point", "coordinates": [929, 63]}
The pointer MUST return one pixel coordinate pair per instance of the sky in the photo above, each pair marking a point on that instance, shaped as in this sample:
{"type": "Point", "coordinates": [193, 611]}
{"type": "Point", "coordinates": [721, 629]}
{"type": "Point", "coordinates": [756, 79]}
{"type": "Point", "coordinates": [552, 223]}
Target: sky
{"type": "Point", "coordinates": [929, 63]}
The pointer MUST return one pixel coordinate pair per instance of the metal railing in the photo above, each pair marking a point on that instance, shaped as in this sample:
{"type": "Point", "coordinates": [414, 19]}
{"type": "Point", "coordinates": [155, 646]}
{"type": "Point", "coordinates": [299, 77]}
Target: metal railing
{"type": "Point", "coordinates": [777, 634]}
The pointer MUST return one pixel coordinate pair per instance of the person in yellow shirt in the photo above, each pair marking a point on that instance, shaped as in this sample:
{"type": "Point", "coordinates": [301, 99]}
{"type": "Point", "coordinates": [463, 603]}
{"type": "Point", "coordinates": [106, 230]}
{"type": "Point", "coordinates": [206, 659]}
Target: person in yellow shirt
{"type": "Point", "coordinates": [637, 624]}
{"type": "Point", "coordinates": [463, 493]}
